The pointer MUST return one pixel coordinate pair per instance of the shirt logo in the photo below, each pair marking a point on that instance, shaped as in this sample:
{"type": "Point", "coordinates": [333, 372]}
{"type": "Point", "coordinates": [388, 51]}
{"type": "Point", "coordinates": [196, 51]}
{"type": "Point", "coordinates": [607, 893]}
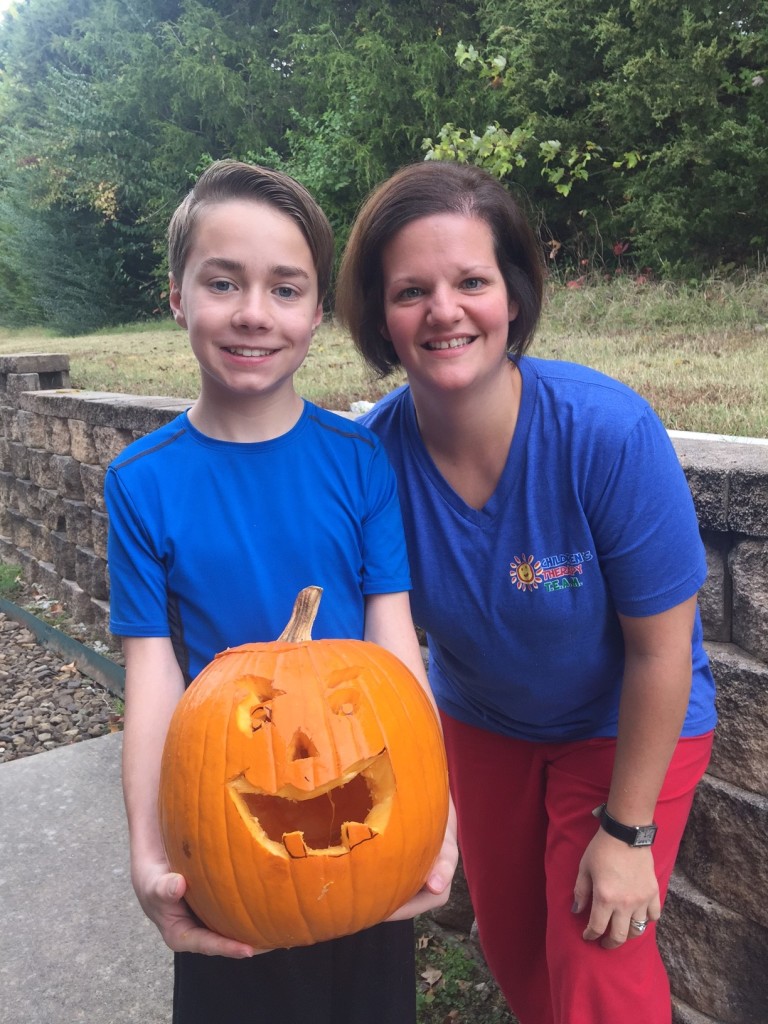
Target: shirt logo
{"type": "Point", "coordinates": [552, 573]}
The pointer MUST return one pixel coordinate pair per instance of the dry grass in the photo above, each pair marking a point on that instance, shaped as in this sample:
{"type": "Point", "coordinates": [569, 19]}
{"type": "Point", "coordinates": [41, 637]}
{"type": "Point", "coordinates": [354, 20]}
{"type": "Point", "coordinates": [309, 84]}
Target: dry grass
{"type": "Point", "coordinates": [698, 353]}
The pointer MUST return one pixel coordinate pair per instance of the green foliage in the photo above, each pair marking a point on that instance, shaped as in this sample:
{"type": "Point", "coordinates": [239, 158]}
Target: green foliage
{"type": "Point", "coordinates": [657, 114]}
{"type": "Point", "coordinates": [618, 122]}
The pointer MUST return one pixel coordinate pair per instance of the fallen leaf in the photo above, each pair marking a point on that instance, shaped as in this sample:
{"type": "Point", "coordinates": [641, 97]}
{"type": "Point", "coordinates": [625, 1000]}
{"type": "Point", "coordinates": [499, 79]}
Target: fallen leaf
{"type": "Point", "coordinates": [432, 975]}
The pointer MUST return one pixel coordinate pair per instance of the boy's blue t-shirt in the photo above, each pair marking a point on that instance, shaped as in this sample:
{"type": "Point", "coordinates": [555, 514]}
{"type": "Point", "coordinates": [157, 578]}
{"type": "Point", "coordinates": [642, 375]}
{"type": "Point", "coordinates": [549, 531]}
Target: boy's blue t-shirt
{"type": "Point", "coordinates": [210, 541]}
{"type": "Point", "coordinates": [592, 515]}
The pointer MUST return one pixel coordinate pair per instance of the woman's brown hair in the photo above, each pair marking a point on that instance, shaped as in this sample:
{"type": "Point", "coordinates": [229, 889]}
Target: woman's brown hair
{"type": "Point", "coordinates": [424, 190]}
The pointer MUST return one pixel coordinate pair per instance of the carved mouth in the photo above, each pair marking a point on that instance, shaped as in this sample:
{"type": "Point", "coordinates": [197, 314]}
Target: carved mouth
{"type": "Point", "coordinates": [330, 820]}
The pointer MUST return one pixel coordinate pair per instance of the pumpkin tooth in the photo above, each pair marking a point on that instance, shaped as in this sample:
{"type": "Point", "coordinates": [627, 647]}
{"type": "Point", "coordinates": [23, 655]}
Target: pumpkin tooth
{"type": "Point", "coordinates": [294, 844]}
{"type": "Point", "coordinates": [354, 832]}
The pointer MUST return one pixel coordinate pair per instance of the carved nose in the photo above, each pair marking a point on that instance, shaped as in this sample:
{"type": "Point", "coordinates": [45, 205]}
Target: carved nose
{"type": "Point", "coordinates": [301, 747]}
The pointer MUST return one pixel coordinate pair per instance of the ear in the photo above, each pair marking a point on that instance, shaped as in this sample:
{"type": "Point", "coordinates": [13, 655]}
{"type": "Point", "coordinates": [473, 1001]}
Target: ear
{"type": "Point", "coordinates": [317, 319]}
{"type": "Point", "coordinates": [513, 310]}
{"type": "Point", "coordinates": [384, 331]}
{"type": "Point", "coordinates": [174, 300]}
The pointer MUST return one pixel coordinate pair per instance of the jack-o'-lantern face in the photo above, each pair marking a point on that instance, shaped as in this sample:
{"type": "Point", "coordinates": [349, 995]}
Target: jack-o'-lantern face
{"type": "Point", "coordinates": [316, 800]}
{"type": "Point", "coordinates": [304, 790]}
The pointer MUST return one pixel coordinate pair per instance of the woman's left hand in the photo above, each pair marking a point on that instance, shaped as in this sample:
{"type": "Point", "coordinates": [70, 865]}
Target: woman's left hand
{"type": "Point", "coordinates": [618, 884]}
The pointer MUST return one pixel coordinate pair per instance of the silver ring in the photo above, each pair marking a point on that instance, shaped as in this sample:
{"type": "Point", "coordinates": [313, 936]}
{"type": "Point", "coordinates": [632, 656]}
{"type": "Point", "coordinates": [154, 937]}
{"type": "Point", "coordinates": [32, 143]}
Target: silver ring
{"type": "Point", "coordinates": [640, 926]}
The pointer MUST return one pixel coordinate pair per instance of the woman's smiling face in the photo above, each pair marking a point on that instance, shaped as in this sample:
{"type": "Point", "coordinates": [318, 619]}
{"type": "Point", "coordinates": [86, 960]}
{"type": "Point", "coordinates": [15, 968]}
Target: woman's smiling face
{"type": "Point", "coordinates": [446, 307]}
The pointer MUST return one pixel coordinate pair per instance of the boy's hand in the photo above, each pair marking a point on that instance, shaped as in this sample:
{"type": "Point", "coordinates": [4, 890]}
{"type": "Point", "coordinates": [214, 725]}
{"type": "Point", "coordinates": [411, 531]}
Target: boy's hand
{"type": "Point", "coordinates": [437, 888]}
{"type": "Point", "coordinates": [161, 895]}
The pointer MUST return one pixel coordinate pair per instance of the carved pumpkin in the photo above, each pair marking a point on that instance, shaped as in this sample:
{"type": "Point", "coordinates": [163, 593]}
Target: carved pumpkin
{"type": "Point", "coordinates": [303, 790]}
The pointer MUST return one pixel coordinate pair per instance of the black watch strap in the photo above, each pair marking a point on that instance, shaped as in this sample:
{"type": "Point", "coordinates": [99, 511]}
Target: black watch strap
{"type": "Point", "coordinates": [633, 835]}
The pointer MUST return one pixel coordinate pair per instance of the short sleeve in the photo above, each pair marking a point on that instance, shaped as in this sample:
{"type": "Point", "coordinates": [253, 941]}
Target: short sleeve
{"type": "Point", "coordinates": [645, 525]}
{"type": "Point", "coordinates": [137, 577]}
{"type": "Point", "coordinates": [385, 561]}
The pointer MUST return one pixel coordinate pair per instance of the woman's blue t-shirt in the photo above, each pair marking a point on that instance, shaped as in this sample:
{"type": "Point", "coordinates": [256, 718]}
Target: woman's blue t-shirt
{"type": "Point", "coordinates": [592, 515]}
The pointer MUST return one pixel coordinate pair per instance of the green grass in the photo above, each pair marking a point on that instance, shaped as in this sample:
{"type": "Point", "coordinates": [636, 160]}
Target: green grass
{"type": "Point", "coordinates": [698, 352]}
{"type": "Point", "coordinates": [453, 985]}
{"type": "Point", "coordinates": [10, 581]}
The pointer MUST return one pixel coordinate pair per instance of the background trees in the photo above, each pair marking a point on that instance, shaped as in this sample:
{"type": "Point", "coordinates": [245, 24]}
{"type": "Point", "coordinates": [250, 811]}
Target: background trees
{"type": "Point", "coordinates": [630, 127]}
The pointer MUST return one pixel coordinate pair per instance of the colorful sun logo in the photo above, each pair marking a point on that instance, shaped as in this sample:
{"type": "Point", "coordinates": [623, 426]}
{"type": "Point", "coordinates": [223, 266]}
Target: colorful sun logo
{"type": "Point", "coordinates": [525, 572]}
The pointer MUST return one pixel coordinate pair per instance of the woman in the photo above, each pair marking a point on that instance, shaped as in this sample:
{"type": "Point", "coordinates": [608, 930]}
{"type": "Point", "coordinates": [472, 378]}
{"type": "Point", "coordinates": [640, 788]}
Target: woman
{"type": "Point", "coordinates": [556, 559]}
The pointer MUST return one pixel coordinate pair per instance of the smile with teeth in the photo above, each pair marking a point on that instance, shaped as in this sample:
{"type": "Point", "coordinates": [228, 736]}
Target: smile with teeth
{"type": "Point", "coordinates": [436, 346]}
{"type": "Point", "coordinates": [332, 821]}
{"type": "Point", "coordinates": [251, 353]}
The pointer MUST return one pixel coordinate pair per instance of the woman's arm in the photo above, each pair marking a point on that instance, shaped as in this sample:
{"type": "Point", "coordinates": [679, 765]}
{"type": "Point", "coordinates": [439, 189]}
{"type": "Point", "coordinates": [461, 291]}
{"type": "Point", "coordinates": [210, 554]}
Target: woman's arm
{"type": "Point", "coordinates": [620, 879]}
{"type": "Point", "coordinates": [153, 686]}
{"type": "Point", "coordinates": [388, 623]}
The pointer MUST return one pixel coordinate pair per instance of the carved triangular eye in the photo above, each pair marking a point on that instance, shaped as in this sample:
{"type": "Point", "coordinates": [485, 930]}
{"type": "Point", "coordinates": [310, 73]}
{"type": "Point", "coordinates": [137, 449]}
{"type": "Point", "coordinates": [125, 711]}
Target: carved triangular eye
{"type": "Point", "coordinates": [301, 747]}
{"type": "Point", "coordinates": [256, 711]}
{"type": "Point", "coordinates": [263, 687]}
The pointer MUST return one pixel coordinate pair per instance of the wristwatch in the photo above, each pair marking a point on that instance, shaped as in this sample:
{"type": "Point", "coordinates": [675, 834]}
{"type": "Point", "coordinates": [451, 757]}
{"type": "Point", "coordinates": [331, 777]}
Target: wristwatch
{"type": "Point", "coordinates": [633, 835]}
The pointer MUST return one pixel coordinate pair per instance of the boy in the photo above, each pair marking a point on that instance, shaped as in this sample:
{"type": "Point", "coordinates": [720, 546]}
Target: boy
{"type": "Point", "coordinates": [217, 521]}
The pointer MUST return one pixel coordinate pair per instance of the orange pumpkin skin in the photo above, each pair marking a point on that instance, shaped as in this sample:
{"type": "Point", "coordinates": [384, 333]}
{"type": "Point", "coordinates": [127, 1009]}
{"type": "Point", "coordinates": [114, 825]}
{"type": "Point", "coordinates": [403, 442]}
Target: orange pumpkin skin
{"type": "Point", "coordinates": [304, 790]}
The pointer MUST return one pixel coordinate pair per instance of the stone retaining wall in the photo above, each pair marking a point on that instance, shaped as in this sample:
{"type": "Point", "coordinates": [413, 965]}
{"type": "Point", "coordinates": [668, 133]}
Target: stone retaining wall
{"type": "Point", "coordinates": [55, 444]}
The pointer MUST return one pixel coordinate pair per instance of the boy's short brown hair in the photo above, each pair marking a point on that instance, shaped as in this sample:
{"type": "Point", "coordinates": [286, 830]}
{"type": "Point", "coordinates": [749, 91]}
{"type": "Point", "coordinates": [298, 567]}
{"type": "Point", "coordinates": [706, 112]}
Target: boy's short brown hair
{"type": "Point", "coordinates": [424, 190]}
{"type": "Point", "coordinates": [231, 179]}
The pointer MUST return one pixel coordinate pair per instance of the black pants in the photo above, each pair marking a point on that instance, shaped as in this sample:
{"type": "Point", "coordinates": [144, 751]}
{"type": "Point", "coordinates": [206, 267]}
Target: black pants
{"type": "Point", "coordinates": [367, 978]}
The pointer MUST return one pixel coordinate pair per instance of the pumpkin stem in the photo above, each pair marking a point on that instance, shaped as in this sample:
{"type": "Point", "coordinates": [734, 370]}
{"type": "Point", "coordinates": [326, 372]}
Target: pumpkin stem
{"type": "Point", "coordinates": [300, 624]}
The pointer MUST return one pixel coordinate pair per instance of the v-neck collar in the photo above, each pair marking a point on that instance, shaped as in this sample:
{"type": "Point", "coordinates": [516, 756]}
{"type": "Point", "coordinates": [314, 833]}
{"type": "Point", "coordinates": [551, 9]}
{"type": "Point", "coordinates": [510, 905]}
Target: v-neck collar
{"type": "Point", "coordinates": [496, 505]}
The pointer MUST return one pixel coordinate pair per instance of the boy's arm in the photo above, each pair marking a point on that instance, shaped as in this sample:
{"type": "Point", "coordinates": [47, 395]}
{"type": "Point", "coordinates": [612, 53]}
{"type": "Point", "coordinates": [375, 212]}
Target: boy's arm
{"type": "Point", "coordinates": [388, 623]}
{"type": "Point", "coordinates": [153, 686]}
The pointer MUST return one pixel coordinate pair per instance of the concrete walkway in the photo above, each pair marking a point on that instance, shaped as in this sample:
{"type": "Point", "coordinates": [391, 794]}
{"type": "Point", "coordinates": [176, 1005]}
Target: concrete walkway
{"type": "Point", "coordinates": [74, 944]}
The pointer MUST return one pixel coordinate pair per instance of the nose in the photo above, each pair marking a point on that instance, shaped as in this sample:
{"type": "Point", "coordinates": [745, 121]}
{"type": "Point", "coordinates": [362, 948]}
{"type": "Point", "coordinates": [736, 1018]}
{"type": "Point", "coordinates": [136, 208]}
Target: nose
{"type": "Point", "coordinates": [444, 306]}
{"type": "Point", "coordinates": [252, 311]}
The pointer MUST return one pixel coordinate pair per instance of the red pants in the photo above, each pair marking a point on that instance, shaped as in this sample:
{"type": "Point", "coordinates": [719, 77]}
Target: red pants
{"type": "Point", "coordinates": [524, 824]}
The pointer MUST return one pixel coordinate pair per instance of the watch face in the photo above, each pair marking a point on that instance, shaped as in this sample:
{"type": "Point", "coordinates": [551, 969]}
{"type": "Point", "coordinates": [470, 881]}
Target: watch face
{"type": "Point", "coordinates": [645, 835]}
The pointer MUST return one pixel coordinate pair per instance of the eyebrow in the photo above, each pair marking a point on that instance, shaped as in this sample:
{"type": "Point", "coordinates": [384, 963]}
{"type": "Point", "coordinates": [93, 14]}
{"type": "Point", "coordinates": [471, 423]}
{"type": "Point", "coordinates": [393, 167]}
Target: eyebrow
{"type": "Point", "coordinates": [235, 266]}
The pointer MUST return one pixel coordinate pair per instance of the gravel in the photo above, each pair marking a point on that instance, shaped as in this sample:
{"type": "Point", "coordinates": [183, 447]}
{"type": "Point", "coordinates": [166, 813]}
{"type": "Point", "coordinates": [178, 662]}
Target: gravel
{"type": "Point", "coordinates": [46, 702]}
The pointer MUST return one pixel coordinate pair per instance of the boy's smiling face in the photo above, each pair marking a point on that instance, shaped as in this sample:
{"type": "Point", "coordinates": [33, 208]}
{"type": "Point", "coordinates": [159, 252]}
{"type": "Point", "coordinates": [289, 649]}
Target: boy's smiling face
{"type": "Point", "coordinates": [248, 299]}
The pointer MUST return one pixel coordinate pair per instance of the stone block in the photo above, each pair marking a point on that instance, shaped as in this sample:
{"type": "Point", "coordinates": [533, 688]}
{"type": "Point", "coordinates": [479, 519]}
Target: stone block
{"type": "Point", "coordinates": [5, 455]}
{"type": "Point", "coordinates": [748, 500]}
{"type": "Point", "coordinates": [66, 476]}
{"type": "Point", "coordinates": [100, 622]}
{"type": "Point", "coordinates": [77, 519]}
{"type": "Point", "coordinates": [748, 565]}
{"type": "Point", "coordinates": [683, 1014]}
{"type": "Point", "coordinates": [715, 957]}
{"type": "Point", "coordinates": [57, 436]}
{"type": "Point", "coordinates": [39, 465]}
{"type": "Point", "coordinates": [64, 555]}
{"type": "Point", "coordinates": [140, 413]}
{"type": "Point", "coordinates": [47, 578]}
{"type": "Point", "coordinates": [77, 602]}
{"type": "Point", "coordinates": [9, 425]}
{"type": "Point", "coordinates": [82, 445]}
{"type": "Point", "coordinates": [715, 594]}
{"type": "Point", "coordinates": [740, 751]}
{"type": "Point", "coordinates": [7, 490]}
{"type": "Point", "coordinates": [725, 843]}
{"type": "Point", "coordinates": [18, 383]}
{"type": "Point", "coordinates": [51, 510]}
{"type": "Point", "coordinates": [27, 498]}
{"type": "Point", "coordinates": [92, 478]}
{"type": "Point", "coordinates": [27, 562]}
{"type": "Point", "coordinates": [34, 362]}
{"type": "Point", "coordinates": [20, 530]}
{"type": "Point", "coordinates": [19, 460]}
{"type": "Point", "coordinates": [40, 543]}
{"type": "Point", "coordinates": [31, 429]}
{"type": "Point", "coordinates": [729, 481]}
{"type": "Point", "coordinates": [110, 441]}
{"type": "Point", "coordinates": [99, 533]}
{"type": "Point", "coordinates": [91, 573]}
